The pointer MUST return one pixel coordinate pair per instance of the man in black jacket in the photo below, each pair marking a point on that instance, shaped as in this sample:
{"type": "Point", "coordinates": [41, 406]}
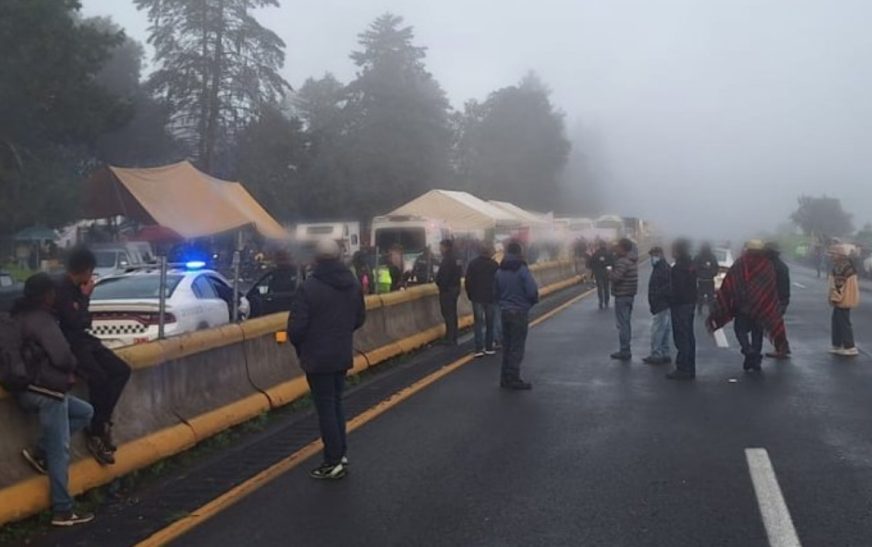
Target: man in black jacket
{"type": "Point", "coordinates": [104, 371]}
{"type": "Point", "coordinates": [707, 269]}
{"type": "Point", "coordinates": [448, 281]}
{"type": "Point", "coordinates": [599, 264]}
{"type": "Point", "coordinates": [327, 310]}
{"type": "Point", "coordinates": [682, 304]}
{"type": "Point", "coordinates": [782, 283]}
{"type": "Point", "coordinates": [659, 289]}
{"type": "Point", "coordinates": [480, 289]}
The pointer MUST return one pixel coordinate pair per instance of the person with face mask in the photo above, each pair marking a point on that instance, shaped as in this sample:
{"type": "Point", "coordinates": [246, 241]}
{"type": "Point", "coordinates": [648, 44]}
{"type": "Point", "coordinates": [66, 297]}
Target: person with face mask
{"type": "Point", "coordinates": [659, 290]}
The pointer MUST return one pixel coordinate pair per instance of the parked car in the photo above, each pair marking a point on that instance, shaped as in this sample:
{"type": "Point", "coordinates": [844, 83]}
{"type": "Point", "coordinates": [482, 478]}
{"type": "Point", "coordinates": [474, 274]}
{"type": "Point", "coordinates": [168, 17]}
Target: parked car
{"type": "Point", "coordinates": [118, 258]}
{"type": "Point", "coordinates": [274, 291]}
{"type": "Point", "coordinates": [725, 262]}
{"type": "Point", "coordinates": [10, 290]}
{"type": "Point", "coordinates": [125, 308]}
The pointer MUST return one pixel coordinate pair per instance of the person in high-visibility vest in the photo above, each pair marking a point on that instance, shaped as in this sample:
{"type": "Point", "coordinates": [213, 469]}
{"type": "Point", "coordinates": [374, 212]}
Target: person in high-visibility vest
{"type": "Point", "coordinates": [384, 280]}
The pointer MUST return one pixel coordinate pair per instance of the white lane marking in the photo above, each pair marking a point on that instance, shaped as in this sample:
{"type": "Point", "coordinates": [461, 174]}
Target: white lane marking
{"type": "Point", "coordinates": [799, 285]}
{"type": "Point", "coordinates": [773, 509]}
{"type": "Point", "coordinates": [721, 339]}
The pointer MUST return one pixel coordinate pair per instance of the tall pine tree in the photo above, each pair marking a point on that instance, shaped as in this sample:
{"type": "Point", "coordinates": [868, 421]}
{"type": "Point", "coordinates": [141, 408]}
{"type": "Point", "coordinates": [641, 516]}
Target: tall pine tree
{"type": "Point", "coordinates": [217, 67]}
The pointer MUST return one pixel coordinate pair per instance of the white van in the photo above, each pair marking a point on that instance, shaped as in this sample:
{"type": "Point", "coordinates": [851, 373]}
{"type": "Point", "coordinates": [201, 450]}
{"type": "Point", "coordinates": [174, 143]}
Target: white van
{"type": "Point", "coordinates": [346, 234]}
{"type": "Point", "coordinates": [412, 233]}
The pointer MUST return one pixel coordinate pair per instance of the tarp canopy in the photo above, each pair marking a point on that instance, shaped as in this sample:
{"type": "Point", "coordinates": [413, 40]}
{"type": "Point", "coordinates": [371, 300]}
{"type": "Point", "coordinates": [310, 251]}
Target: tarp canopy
{"type": "Point", "coordinates": [179, 197]}
{"type": "Point", "coordinates": [527, 218]}
{"type": "Point", "coordinates": [36, 233]}
{"type": "Point", "coordinates": [460, 210]}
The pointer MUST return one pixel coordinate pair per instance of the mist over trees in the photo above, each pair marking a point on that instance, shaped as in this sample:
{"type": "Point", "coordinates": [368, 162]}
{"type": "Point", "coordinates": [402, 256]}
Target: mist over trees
{"type": "Point", "coordinates": [822, 217]}
{"type": "Point", "coordinates": [329, 149]}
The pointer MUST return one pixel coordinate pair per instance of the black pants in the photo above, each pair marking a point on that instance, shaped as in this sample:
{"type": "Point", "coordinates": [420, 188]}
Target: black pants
{"type": "Point", "coordinates": [106, 375]}
{"type": "Point", "coordinates": [706, 291]}
{"type": "Point", "coordinates": [684, 337]}
{"type": "Point", "coordinates": [515, 325]}
{"type": "Point", "coordinates": [843, 331]}
{"type": "Point", "coordinates": [602, 287]}
{"type": "Point", "coordinates": [750, 336]}
{"type": "Point", "coordinates": [448, 305]}
{"type": "Point", "coordinates": [327, 395]}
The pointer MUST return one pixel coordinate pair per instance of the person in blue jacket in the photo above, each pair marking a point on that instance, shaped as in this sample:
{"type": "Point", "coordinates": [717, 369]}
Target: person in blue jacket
{"type": "Point", "coordinates": [517, 292]}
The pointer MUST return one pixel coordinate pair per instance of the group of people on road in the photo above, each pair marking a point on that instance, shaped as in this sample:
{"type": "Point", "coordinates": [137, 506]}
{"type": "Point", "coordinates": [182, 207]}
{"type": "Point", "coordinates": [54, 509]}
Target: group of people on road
{"type": "Point", "coordinates": [330, 306]}
{"type": "Point", "coordinates": [48, 348]}
{"type": "Point", "coordinates": [754, 295]}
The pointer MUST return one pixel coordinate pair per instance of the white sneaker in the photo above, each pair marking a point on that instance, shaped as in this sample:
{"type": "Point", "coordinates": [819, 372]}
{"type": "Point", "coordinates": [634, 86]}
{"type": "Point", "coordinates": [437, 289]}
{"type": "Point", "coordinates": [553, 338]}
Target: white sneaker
{"type": "Point", "coordinates": [849, 352]}
{"type": "Point", "coordinates": [479, 354]}
{"type": "Point", "coordinates": [835, 350]}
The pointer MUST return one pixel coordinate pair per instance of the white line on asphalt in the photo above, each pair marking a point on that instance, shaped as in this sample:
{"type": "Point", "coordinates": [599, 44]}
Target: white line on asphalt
{"type": "Point", "coordinates": [800, 285]}
{"type": "Point", "coordinates": [721, 339]}
{"type": "Point", "coordinates": [773, 509]}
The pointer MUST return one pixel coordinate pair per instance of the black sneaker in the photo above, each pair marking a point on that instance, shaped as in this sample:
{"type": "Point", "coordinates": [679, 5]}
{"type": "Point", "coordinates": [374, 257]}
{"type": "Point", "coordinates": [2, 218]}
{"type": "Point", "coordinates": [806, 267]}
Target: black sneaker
{"type": "Point", "coordinates": [71, 518]}
{"type": "Point", "coordinates": [680, 375]}
{"type": "Point", "coordinates": [516, 385]}
{"type": "Point", "coordinates": [36, 459]}
{"type": "Point", "coordinates": [106, 437]}
{"type": "Point", "coordinates": [99, 450]}
{"type": "Point", "coordinates": [621, 356]}
{"type": "Point", "coordinates": [651, 360]}
{"type": "Point", "coordinates": [328, 472]}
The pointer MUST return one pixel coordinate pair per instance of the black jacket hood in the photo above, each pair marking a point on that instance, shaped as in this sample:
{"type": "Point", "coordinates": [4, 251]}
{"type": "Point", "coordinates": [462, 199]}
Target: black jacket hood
{"type": "Point", "coordinates": [512, 263]}
{"type": "Point", "coordinates": [334, 274]}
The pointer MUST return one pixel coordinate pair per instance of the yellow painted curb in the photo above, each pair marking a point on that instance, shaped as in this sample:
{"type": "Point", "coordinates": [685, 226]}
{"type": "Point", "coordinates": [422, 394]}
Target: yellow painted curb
{"type": "Point", "coordinates": [212, 422]}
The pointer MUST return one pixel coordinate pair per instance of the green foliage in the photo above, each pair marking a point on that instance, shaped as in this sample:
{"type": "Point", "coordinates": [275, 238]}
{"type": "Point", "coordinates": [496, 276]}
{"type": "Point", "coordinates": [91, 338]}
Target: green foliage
{"type": "Point", "coordinates": [217, 66]}
{"type": "Point", "coordinates": [822, 217]}
{"type": "Point", "coordinates": [513, 146]}
{"type": "Point", "coordinates": [52, 106]}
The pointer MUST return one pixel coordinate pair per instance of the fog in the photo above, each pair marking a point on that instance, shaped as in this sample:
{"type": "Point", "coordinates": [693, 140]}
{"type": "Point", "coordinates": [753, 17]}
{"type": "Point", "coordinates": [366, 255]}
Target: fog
{"type": "Point", "coordinates": [708, 117]}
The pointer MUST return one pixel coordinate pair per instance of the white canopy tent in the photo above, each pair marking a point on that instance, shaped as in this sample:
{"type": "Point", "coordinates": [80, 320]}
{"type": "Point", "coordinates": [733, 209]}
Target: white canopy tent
{"type": "Point", "coordinates": [463, 212]}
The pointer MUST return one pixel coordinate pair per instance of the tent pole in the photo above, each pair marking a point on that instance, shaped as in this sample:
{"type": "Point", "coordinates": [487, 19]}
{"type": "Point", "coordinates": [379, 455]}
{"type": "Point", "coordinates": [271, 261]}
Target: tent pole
{"type": "Point", "coordinates": [236, 265]}
{"type": "Point", "coordinates": [162, 305]}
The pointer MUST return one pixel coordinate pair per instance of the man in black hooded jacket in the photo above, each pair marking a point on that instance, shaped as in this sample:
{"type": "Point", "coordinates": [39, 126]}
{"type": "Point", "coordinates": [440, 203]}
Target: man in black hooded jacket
{"type": "Point", "coordinates": [327, 310]}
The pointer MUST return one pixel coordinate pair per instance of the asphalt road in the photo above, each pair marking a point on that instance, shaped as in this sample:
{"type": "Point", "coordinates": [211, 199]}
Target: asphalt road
{"type": "Point", "coordinates": [599, 453]}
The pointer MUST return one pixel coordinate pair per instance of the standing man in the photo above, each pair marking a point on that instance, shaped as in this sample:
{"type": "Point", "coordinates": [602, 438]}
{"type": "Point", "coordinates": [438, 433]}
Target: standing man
{"type": "Point", "coordinates": [104, 371]}
{"type": "Point", "coordinates": [480, 277]}
{"type": "Point", "coordinates": [327, 310]}
{"type": "Point", "coordinates": [707, 269]}
{"type": "Point", "coordinates": [516, 292]}
{"type": "Point", "coordinates": [749, 294]}
{"type": "Point", "coordinates": [599, 264]}
{"type": "Point", "coordinates": [448, 281]}
{"type": "Point", "coordinates": [782, 284]}
{"type": "Point", "coordinates": [624, 277]}
{"type": "Point", "coordinates": [659, 291]}
{"type": "Point", "coordinates": [682, 303]}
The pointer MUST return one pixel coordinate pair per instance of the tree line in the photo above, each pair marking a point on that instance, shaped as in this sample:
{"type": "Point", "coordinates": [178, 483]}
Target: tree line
{"type": "Point", "coordinates": [74, 96]}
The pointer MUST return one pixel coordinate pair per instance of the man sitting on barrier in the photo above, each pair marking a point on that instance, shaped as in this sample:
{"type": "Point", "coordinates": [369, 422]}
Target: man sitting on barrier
{"type": "Point", "coordinates": [49, 365]}
{"type": "Point", "coordinates": [327, 310]}
{"type": "Point", "coordinates": [104, 371]}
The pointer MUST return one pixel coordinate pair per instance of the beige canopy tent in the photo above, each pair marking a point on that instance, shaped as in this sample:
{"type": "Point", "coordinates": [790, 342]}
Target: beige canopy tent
{"type": "Point", "coordinates": [179, 197]}
{"type": "Point", "coordinates": [462, 211]}
{"type": "Point", "coordinates": [527, 218]}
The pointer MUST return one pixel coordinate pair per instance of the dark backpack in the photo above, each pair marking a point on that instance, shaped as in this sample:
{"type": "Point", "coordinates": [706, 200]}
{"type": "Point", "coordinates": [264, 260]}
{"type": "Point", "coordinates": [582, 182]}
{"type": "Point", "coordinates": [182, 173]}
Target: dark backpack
{"type": "Point", "coordinates": [15, 375]}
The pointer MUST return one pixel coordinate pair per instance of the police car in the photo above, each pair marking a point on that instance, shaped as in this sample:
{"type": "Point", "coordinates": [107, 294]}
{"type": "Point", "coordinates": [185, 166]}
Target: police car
{"type": "Point", "coordinates": [125, 308]}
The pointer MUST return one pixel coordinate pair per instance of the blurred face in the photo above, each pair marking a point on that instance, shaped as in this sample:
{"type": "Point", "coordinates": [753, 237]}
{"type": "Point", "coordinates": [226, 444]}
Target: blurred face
{"type": "Point", "coordinates": [444, 249]}
{"type": "Point", "coordinates": [48, 301]}
{"type": "Point", "coordinates": [82, 278]}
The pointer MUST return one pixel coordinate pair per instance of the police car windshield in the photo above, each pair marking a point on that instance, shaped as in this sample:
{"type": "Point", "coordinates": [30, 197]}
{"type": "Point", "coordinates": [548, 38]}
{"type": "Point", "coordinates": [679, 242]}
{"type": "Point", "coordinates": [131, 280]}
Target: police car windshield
{"type": "Point", "coordinates": [106, 259]}
{"type": "Point", "coordinates": [134, 287]}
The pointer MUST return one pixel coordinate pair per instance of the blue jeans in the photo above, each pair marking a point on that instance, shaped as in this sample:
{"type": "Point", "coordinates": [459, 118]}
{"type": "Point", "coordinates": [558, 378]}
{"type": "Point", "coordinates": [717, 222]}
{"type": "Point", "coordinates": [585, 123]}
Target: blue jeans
{"type": "Point", "coordinates": [327, 395]}
{"type": "Point", "coordinates": [661, 332]}
{"type": "Point", "coordinates": [623, 316]}
{"type": "Point", "coordinates": [485, 316]}
{"type": "Point", "coordinates": [515, 325]}
{"type": "Point", "coordinates": [58, 420]}
{"type": "Point", "coordinates": [684, 337]}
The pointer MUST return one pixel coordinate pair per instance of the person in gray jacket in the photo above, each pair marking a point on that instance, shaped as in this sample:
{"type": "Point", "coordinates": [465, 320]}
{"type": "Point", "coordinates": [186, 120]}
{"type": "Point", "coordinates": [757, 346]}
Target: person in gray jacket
{"type": "Point", "coordinates": [625, 283]}
{"type": "Point", "coordinates": [51, 364]}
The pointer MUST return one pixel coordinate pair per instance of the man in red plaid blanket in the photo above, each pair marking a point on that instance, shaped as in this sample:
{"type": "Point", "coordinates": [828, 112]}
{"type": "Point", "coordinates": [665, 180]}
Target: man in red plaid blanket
{"type": "Point", "coordinates": [749, 297]}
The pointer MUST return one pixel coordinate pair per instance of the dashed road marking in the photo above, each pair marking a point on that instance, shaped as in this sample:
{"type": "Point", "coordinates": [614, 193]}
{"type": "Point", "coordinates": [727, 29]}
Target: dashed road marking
{"type": "Point", "coordinates": [799, 285]}
{"type": "Point", "coordinates": [721, 338]}
{"type": "Point", "coordinates": [773, 509]}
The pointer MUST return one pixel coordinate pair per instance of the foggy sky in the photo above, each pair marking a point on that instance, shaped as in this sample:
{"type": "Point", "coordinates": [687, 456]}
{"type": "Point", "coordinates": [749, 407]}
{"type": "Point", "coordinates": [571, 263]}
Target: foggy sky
{"type": "Point", "coordinates": [709, 116]}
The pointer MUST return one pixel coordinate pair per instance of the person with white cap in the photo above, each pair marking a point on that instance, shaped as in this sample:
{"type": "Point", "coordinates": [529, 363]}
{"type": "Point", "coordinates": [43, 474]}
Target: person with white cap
{"type": "Point", "coordinates": [327, 310]}
{"type": "Point", "coordinates": [844, 295]}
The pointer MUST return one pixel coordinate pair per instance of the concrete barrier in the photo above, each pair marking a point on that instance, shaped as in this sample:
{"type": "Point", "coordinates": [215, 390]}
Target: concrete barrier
{"type": "Point", "coordinates": [188, 388]}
